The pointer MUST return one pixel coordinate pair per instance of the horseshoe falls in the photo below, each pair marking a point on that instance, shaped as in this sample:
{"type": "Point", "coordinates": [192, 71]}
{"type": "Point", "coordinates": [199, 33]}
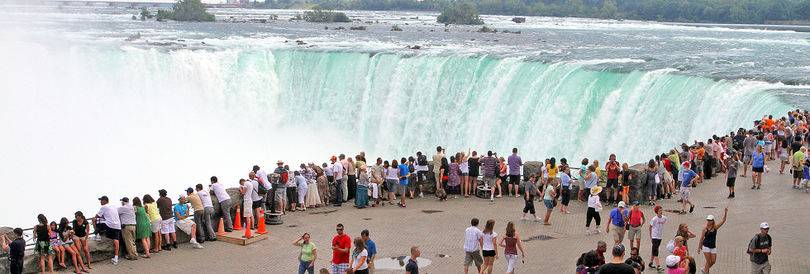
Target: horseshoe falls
{"type": "Point", "coordinates": [86, 113]}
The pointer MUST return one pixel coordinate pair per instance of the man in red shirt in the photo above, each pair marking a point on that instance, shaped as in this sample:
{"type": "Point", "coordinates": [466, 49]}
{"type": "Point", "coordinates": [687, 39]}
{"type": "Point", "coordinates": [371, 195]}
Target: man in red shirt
{"type": "Point", "coordinates": [637, 220]}
{"type": "Point", "coordinates": [341, 244]}
{"type": "Point", "coordinates": [612, 187]}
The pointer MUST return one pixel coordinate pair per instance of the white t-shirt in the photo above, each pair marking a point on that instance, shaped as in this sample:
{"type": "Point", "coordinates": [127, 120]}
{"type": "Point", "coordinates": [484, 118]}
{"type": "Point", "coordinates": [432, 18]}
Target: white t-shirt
{"type": "Point", "coordinates": [254, 193]}
{"type": "Point", "coordinates": [658, 226]}
{"type": "Point", "coordinates": [471, 236]}
{"type": "Point", "coordinates": [262, 177]}
{"type": "Point", "coordinates": [593, 201]}
{"type": "Point", "coordinates": [337, 170]}
{"type": "Point", "coordinates": [356, 259]}
{"type": "Point", "coordinates": [488, 240]}
{"type": "Point", "coordinates": [220, 192]}
{"type": "Point", "coordinates": [110, 215]}
{"type": "Point", "coordinates": [205, 198]}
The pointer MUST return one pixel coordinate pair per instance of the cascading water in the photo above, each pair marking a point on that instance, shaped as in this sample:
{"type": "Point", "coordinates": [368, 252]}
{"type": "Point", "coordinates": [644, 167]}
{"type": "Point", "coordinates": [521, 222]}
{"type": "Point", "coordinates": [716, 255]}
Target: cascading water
{"type": "Point", "coordinates": [86, 120]}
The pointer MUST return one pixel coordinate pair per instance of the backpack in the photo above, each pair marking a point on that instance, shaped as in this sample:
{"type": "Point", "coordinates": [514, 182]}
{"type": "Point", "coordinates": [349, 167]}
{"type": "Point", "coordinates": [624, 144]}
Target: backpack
{"type": "Point", "coordinates": [422, 160]}
{"type": "Point", "coordinates": [285, 177]}
{"type": "Point", "coordinates": [262, 189]}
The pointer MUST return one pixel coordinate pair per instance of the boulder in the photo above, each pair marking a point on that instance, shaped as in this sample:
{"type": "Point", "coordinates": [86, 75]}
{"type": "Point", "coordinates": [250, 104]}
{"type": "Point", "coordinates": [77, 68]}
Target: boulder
{"type": "Point", "coordinates": [396, 28]}
{"type": "Point", "coordinates": [519, 19]}
{"type": "Point", "coordinates": [486, 29]}
{"type": "Point", "coordinates": [357, 28]}
{"type": "Point", "coordinates": [531, 167]}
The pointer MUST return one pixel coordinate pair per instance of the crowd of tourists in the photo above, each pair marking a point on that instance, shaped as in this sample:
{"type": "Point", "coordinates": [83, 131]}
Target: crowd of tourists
{"type": "Point", "coordinates": [152, 223]}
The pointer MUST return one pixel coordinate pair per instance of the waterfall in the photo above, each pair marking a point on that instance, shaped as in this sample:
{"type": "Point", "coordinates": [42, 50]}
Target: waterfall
{"type": "Point", "coordinates": [84, 120]}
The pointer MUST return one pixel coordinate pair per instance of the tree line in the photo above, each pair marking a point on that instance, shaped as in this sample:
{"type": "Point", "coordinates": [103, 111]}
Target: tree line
{"type": "Point", "coordinates": [713, 11]}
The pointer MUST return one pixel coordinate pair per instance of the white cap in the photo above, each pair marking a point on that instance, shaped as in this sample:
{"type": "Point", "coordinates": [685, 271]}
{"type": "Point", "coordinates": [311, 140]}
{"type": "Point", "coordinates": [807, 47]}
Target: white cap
{"type": "Point", "coordinates": [621, 204]}
{"type": "Point", "coordinates": [673, 260]}
{"type": "Point", "coordinates": [710, 218]}
{"type": "Point", "coordinates": [764, 225]}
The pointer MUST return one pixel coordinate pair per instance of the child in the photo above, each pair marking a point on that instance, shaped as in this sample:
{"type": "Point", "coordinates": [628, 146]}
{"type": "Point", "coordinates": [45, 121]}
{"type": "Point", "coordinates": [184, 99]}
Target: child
{"type": "Point", "coordinates": [530, 189]}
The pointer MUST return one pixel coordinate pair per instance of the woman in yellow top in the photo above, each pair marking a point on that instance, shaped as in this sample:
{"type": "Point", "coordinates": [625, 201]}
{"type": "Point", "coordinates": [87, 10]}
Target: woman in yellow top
{"type": "Point", "coordinates": [551, 166]}
{"type": "Point", "coordinates": [154, 219]}
{"type": "Point", "coordinates": [598, 172]}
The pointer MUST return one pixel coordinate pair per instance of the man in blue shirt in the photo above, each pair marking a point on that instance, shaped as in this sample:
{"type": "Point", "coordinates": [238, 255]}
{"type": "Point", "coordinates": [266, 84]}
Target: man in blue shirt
{"type": "Point", "coordinates": [404, 173]}
{"type": "Point", "coordinates": [371, 247]}
{"type": "Point", "coordinates": [688, 176]}
{"type": "Point", "coordinates": [617, 219]}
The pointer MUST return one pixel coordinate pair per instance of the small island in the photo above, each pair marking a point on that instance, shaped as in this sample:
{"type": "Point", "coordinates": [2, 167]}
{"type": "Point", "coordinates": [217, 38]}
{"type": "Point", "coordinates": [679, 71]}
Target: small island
{"type": "Point", "coordinates": [186, 10]}
{"type": "Point", "coordinates": [460, 13]}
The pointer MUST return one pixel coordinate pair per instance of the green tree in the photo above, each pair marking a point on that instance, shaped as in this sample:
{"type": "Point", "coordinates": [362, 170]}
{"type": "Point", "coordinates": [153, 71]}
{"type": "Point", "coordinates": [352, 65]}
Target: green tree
{"type": "Point", "coordinates": [461, 13]}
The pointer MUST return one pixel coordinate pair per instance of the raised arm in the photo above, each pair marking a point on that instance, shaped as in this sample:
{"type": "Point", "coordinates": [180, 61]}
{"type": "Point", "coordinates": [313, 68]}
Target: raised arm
{"type": "Point", "coordinates": [722, 221]}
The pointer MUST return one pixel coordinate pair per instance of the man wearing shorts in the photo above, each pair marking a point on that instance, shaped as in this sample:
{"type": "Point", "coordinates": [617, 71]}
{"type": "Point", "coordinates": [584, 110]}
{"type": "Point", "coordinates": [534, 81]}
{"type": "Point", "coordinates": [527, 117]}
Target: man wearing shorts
{"type": "Point", "coordinates": [617, 219]}
{"type": "Point", "coordinates": [612, 186]}
{"type": "Point", "coordinates": [112, 224]}
{"type": "Point", "coordinates": [749, 144]}
{"type": "Point", "coordinates": [687, 176]}
{"type": "Point", "coordinates": [636, 220]}
{"type": "Point", "coordinates": [473, 241]}
{"type": "Point", "coordinates": [167, 221]}
{"type": "Point", "coordinates": [490, 166]}
{"type": "Point", "coordinates": [514, 162]}
{"type": "Point", "coordinates": [181, 214]}
{"type": "Point", "coordinates": [341, 245]}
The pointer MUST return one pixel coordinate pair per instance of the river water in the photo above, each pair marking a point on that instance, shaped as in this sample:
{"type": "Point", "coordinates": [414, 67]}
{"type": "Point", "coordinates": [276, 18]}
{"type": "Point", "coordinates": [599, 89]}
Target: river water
{"type": "Point", "coordinates": [93, 102]}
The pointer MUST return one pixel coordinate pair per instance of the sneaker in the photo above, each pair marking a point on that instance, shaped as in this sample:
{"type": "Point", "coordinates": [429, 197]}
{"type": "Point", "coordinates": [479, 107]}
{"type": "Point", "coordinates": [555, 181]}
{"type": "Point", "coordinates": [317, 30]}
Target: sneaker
{"type": "Point", "coordinates": [753, 187]}
{"type": "Point", "coordinates": [691, 208]}
{"type": "Point", "coordinates": [174, 245]}
{"type": "Point", "coordinates": [517, 196]}
{"type": "Point", "coordinates": [421, 195]}
{"type": "Point", "coordinates": [166, 247]}
{"type": "Point", "coordinates": [650, 265]}
{"type": "Point", "coordinates": [491, 200]}
{"type": "Point", "coordinates": [197, 246]}
{"type": "Point", "coordinates": [758, 187]}
{"type": "Point", "coordinates": [114, 261]}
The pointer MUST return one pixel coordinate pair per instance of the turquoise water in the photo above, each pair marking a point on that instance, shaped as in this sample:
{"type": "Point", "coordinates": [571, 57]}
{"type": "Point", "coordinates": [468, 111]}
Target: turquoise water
{"type": "Point", "coordinates": [394, 104]}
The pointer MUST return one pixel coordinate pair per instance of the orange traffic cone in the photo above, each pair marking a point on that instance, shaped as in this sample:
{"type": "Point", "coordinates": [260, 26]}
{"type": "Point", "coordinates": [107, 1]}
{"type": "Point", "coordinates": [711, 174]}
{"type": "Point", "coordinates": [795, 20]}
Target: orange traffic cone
{"type": "Point", "coordinates": [262, 229]}
{"type": "Point", "coordinates": [237, 222]}
{"type": "Point", "coordinates": [221, 229]}
{"type": "Point", "coordinates": [247, 231]}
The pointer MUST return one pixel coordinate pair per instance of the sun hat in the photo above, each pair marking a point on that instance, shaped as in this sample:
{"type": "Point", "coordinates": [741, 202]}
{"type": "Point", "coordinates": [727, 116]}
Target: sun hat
{"type": "Point", "coordinates": [764, 226]}
{"type": "Point", "coordinates": [595, 190]}
{"type": "Point", "coordinates": [673, 260]}
{"type": "Point", "coordinates": [710, 218]}
{"type": "Point", "coordinates": [622, 204]}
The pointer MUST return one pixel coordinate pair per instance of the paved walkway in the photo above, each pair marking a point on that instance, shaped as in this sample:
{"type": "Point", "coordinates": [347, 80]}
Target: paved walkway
{"type": "Point", "coordinates": [437, 227]}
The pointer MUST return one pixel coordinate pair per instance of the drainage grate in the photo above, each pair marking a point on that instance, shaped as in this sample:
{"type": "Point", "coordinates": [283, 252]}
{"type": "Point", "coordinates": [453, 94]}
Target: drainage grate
{"type": "Point", "coordinates": [323, 212]}
{"type": "Point", "coordinates": [367, 219]}
{"type": "Point", "coordinates": [538, 238]}
{"type": "Point", "coordinates": [709, 207]}
{"type": "Point", "coordinates": [292, 226]}
{"type": "Point", "coordinates": [431, 211]}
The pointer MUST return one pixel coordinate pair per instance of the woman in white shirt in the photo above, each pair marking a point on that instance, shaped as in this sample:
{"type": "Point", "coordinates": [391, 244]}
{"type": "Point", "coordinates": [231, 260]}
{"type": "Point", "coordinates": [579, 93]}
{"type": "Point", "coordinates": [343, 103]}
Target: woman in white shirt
{"type": "Point", "coordinates": [594, 207]}
{"type": "Point", "coordinates": [359, 257]}
{"type": "Point", "coordinates": [488, 249]}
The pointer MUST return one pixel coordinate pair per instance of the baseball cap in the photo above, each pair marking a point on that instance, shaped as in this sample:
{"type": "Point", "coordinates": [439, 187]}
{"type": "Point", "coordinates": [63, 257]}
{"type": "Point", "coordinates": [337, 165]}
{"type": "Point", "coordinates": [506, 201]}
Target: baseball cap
{"type": "Point", "coordinates": [673, 260]}
{"type": "Point", "coordinates": [764, 226]}
{"type": "Point", "coordinates": [103, 198]}
{"type": "Point", "coordinates": [636, 202]}
{"type": "Point", "coordinates": [710, 218]}
{"type": "Point", "coordinates": [621, 204]}
{"type": "Point", "coordinates": [182, 196]}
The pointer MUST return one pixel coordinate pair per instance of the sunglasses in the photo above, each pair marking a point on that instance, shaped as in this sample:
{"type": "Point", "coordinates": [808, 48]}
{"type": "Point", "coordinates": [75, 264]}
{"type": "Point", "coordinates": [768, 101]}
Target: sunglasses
{"type": "Point", "coordinates": [339, 229]}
